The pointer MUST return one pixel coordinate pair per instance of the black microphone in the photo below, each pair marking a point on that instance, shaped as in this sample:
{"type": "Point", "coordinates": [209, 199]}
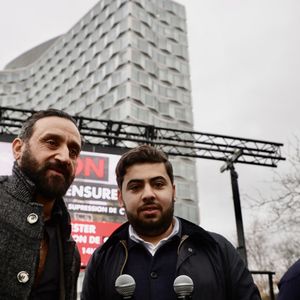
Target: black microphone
{"type": "Point", "coordinates": [183, 287]}
{"type": "Point", "coordinates": [125, 286]}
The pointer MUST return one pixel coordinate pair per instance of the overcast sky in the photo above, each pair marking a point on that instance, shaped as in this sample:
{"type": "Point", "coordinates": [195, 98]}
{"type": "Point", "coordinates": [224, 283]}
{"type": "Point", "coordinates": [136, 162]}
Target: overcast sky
{"type": "Point", "coordinates": [245, 72]}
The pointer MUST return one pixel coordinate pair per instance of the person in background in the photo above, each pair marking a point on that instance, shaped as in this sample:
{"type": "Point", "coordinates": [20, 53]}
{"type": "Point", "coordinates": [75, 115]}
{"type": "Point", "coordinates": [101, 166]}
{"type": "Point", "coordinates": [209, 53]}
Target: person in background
{"type": "Point", "coordinates": [155, 247]}
{"type": "Point", "coordinates": [38, 257]}
{"type": "Point", "coordinates": [289, 285]}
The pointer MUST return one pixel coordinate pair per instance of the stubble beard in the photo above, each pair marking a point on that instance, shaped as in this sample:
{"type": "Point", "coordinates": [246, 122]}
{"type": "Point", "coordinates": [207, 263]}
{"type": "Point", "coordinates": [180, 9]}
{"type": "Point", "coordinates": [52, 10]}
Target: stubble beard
{"type": "Point", "coordinates": [48, 186]}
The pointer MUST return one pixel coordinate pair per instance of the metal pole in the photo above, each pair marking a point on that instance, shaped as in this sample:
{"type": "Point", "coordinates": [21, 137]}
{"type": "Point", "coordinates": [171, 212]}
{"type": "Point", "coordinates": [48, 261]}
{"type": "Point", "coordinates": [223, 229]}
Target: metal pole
{"type": "Point", "coordinates": [272, 296]}
{"type": "Point", "coordinates": [237, 203]}
{"type": "Point", "coordinates": [270, 279]}
{"type": "Point", "coordinates": [238, 214]}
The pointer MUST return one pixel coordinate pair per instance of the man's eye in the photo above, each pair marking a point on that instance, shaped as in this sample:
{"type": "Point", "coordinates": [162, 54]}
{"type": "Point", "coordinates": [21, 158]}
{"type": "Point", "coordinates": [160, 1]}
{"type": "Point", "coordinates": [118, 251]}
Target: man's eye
{"type": "Point", "coordinates": [74, 152]}
{"type": "Point", "coordinates": [51, 143]}
{"type": "Point", "coordinates": [159, 184]}
{"type": "Point", "coordinates": [133, 187]}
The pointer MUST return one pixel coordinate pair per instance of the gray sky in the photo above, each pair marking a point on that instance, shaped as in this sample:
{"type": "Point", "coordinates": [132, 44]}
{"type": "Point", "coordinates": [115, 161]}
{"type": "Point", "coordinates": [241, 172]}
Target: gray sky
{"type": "Point", "coordinates": [245, 72]}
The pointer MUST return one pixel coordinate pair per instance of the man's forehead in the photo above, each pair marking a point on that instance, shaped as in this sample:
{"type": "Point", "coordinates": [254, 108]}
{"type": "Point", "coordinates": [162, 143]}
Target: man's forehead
{"type": "Point", "coordinates": [56, 127]}
{"type": "Point", "coordinates": [146, 171]}
{"type": "Point", "coordinates": [53, 124]}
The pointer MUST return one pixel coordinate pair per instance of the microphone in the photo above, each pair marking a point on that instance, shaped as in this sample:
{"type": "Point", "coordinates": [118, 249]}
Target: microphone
{"type": "Point", "coordinates": [125, 286]}
{"type": "Point", "coordinates": [183, 287]}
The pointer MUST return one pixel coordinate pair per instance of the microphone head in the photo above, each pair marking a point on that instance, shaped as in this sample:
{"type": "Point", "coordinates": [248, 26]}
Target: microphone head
{"type": "Point", "coordinates": [183, 285]}
{"type": "Point", "coordinates": [125, 285]}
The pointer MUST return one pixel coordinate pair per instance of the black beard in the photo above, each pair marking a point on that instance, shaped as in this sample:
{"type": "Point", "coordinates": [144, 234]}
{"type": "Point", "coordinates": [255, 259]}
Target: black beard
{"type": "Point", "coordinates": [152, 228]}
{"type": "Point", "coordinates": [50, 187]}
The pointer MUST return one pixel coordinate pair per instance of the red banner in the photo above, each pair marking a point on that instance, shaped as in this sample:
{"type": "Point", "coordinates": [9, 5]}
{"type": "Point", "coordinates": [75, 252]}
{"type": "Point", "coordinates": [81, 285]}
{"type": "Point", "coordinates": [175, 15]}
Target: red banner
{"type": "Point", "coordinates": [90, 235]}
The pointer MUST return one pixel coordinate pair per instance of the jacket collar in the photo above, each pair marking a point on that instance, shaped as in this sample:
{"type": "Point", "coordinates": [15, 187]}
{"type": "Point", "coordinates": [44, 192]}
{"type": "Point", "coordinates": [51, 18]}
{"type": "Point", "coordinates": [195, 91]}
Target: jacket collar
{"type": "Point", "coordinates": [196, 232]}
{"type": "Point", "coordinates": [20, 186]}
{"type": "Point", "coordinates": [188, 229]}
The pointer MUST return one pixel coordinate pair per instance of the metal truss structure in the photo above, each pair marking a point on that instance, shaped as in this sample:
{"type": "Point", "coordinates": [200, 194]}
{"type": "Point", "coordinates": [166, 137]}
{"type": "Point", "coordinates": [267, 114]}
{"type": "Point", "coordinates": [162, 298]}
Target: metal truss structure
{"type": "Point", "coordinates": [106, 133]}
{"type": "Point", "coordinates": [194, 144]}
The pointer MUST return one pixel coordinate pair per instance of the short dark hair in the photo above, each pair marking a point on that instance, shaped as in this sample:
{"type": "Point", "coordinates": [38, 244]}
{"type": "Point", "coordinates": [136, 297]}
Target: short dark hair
{"type": "Point", "coordinates": [27, 127]}
{"type": "Point", "coordinates": [139, 155]}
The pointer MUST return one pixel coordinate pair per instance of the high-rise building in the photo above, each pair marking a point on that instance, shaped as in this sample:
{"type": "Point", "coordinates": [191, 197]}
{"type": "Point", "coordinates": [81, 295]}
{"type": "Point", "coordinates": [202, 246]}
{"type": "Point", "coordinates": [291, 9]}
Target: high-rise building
{"type": "Point", "coordinates": [125, 60]}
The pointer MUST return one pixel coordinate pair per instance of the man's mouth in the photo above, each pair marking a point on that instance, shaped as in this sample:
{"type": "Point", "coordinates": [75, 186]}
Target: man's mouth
{"type": "Point", "coordinates": [57, 171]}
{"type": "Point", "coordinates": [149, 209]}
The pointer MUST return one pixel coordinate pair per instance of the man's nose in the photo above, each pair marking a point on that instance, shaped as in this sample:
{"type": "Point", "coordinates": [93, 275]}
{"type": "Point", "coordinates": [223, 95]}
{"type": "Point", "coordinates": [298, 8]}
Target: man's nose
{"type": "Point", "coordinates": [63, 154]}
{"type": "Point", "coordinates": [148, 192]}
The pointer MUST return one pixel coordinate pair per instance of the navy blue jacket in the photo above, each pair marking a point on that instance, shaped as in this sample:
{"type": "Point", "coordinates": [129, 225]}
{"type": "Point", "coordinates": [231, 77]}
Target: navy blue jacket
{"type": "Point", "coordinates": [289, 285]}
{"type": "Point", "coordinates": [217, 270]}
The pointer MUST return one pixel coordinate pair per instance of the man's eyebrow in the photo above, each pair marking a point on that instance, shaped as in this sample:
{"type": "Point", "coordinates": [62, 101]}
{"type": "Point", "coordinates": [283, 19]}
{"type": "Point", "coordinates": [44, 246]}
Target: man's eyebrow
{"type": "Point", "coordinates": [137, 180]}
{"type": "Point", "coordinates": [75, 144]}
{"type": "Point", "coordinates": [158, 178]}
{"type": "Point", "coordinates": [49, 135]}
{"type": "Point", "coordinates": [134, 181]}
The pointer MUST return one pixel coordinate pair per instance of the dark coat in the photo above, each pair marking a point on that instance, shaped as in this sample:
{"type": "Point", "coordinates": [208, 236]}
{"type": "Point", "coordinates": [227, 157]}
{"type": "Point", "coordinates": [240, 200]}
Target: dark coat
{"type": "Point", "coordinates": [21, 231]}
{"type": "Point", "coordinates": [218, 272]}
{"type": "Point", "coordinates": [289, 285]}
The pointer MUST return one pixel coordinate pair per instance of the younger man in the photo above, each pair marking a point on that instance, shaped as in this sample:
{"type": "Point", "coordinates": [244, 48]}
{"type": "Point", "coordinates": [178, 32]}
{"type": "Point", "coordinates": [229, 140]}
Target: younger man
{"type": "Point", "coordinates": [155, 247]}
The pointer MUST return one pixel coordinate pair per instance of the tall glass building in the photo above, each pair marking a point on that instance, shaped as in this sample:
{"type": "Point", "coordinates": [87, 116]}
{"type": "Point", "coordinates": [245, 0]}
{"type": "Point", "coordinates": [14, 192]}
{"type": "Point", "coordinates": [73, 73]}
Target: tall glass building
{"type": "Point", "coordinates": [125, 60]}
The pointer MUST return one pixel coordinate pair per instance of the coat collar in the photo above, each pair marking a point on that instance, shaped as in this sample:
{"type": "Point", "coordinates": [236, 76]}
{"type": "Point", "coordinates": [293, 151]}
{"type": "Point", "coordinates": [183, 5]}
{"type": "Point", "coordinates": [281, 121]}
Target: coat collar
{"type": "Point", "coordinates": [20, 186]}
{"type": "Point", "coordinates": [188, 229]}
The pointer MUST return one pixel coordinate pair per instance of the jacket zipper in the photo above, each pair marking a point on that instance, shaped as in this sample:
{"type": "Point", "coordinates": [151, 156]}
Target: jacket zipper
{"type": "Point", "coordinates": [123, 243]}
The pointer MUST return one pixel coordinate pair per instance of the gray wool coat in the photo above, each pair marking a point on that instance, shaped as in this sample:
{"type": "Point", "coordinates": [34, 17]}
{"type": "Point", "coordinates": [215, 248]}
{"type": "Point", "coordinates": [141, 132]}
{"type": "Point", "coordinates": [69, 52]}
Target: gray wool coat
{"type": "Point", "coordinates": [21, 231]}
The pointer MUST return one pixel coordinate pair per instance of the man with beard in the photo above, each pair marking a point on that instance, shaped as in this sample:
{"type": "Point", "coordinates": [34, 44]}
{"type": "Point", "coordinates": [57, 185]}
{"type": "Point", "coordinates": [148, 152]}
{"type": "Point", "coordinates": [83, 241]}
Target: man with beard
{"type": "Point", "coordinates": [155, 247]}
{"type": "Point", "coordinates": [38, 257]}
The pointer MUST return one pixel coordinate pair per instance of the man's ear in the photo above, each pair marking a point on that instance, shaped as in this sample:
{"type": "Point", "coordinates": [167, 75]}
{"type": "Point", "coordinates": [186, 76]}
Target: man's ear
{"type": "Point", "coordinates": [174, 192]}
{"type": "Point", "coordinates": [120, 199]}
{"type": "Point", "coordinates": [17, 148]}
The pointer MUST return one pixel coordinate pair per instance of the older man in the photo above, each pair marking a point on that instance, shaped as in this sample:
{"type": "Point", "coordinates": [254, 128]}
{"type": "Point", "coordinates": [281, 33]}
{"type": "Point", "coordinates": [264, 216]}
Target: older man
{"type": "Point", "coordinates": [38, 258]}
